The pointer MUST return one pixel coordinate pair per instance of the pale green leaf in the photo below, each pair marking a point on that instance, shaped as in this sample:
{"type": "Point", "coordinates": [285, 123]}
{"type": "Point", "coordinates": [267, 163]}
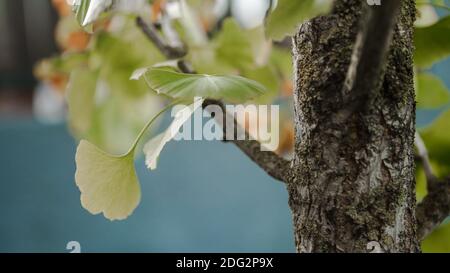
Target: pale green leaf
{"type": "Point", "coordinates": [80, 99]}
{"type": "Point", "coordinates": [432, 43]}
{"type": "Point", "coordinates": [233, 46]}
{"type": "Point", "coordinates": [426, 14]}
{"type": "Point", "coordinates": [189, 86]}
{"type": "Point", "coordinates": [289, 14]}
{"type": "Point", "coordinates": [153, 148]}
{"type": "Point", "coordinates": [431, 91]}
{"type": "Point", "coordinates": [108, 184]}
{"type": "Point", "coordinates": [437, 138]}
{"type": "Point", "coordinates": [438, 241]}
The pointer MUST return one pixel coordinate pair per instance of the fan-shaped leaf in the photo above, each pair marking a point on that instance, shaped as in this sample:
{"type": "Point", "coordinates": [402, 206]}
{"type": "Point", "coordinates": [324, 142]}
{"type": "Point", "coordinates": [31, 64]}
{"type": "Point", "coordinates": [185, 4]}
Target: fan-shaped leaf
{"type": "Point", "coordinates": [189, 86]}
{"type": "Point", "coordinates": [108, 184]}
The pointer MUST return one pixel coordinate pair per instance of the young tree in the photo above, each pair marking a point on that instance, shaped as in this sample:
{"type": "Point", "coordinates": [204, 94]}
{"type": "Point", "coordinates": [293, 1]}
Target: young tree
{"type": "Point", "coordinates": [351, 181]}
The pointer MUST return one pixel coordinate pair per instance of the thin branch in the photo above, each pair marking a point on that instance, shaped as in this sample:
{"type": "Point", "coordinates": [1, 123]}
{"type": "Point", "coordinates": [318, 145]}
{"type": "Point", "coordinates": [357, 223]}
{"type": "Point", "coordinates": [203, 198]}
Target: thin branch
{"type": "Point", "coordinates": [153, 35]}
{"type": "Point", "coordinates": [422, 152]}
{"type": "Point", "coordinates": [269, 10]}
{"type": "Point", "coordinates": [366, 70]}
{"type": "Point", "coordinates": [270, 162]}
{"type": "Point", "coordinates": [433, 209]}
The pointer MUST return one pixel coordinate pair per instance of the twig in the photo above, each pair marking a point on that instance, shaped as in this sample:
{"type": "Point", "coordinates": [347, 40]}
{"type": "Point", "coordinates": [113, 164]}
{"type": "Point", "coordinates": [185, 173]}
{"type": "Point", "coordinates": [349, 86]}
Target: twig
{"type": "Point", "coordinates": [423, 155]}
{"type": "Point", "coordinates": [273, 164]}
{"type": "Point", "coordinates": [433, 209]}
{"type": "Point", "coordinates": [153, 35]}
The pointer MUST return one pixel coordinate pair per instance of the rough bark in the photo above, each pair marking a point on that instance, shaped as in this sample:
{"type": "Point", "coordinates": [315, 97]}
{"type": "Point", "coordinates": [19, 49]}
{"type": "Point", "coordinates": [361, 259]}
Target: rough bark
{"type": "Point", "coordinates": [353, 181]}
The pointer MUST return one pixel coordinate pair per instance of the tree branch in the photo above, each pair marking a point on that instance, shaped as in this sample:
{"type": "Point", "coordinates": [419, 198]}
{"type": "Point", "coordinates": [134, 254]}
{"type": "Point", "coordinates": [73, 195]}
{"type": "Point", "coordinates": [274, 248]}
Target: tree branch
{"type": "Point", "coordinates": [153, 35]}
{"type": "Point", "coordinates": [433, 209]}
{"type": "Point", "coordinates": [366, 70]}
{"type": "Point", "coordinates": [422, 153]}
{"type": "Point", "coordinates": [270, 162]}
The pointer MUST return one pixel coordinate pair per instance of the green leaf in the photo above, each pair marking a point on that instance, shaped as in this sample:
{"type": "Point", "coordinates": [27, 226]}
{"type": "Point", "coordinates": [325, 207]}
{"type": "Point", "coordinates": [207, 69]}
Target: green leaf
{"type": "Point", "coordinates": [233, 46]}
{"type": "Point", "coordinates": [438, 241]}
{"type": "Point", "coordinates": [432, 43]}
{"type": "Point", "coordinates": [437, 139]}
{"type": "Point", "coordinates": [80, 99]}
{"type": "Point", "coordinates": [289, 14]}
{"type": "Point", "coordinates": [426, 14]}
{"type": "Point", "coordinates": [153, 148]}
{"type": "Point", "coordinates": [189, 86]}
{"type": "Point", "coordinates": [431, 92]}
{"type": "Point", "coordinates": [268, 76]}
{"type": "Point", "coordinates": [108, 184]}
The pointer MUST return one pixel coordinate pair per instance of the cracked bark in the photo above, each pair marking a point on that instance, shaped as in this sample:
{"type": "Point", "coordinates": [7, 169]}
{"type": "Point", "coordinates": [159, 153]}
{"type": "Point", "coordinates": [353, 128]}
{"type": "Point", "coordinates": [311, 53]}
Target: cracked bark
{"type": "Point", "coordinates": [353, 180]}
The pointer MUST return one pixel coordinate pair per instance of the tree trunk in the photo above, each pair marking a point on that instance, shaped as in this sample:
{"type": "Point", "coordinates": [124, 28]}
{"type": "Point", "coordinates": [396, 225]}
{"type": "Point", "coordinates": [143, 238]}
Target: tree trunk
{"type": "Point", "coordinates": [354, 180]}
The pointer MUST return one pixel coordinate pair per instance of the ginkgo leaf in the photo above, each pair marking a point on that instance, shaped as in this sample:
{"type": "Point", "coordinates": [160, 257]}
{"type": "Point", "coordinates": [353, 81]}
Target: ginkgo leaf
{"type": "Point", "coordinates": [108, 184]}
{"type": "Point", "coordinates": [431, 92]}
{"type": "Point", "coordinates": [188, 86]}
{"type": "Point", "coordinates": [432, 43]}
{"type": "Point", "coordinates": [437, 138]}
{"type": "Point", "coordinates": [153, 148]}
{"type": "Point", "coordinates": [289, 14]}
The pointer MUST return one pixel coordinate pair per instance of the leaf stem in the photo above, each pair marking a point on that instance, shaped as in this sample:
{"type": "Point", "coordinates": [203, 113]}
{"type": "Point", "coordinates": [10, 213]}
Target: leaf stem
{"type": "Point", "coordinates": [149, 123]}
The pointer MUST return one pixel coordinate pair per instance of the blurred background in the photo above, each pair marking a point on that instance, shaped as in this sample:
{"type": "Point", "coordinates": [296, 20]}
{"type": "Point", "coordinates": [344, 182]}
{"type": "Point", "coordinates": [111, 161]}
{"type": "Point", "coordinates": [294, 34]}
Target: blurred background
{"type": "Point", "coordinates": [204, 197]}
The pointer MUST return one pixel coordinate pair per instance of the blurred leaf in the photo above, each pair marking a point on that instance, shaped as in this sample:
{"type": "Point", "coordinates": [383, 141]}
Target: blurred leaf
{"type": "Point", "coordinates": [108, 184]}
{"type": "Point", "coordinates": [153, 148]}
{"type": "Point", "coordinates": [431, 91]}
{"type": "Point", "coordinates": [232, 51]}
{"type": "Point", "coordinates": [437, 139]}
{"type": "Point", "coordinates": [119, 118]}
{"type": "Point", "coordinates": [426, 14]}
{"type": "Point", "coordinates": [116, 67]}
{"type": "Point", "coordinates": [421, 184]}
{"type": "Point", "coordinates": [268, 77]}
{"type": "Point", "coordinates": [188, 86]}
{"type": "Point", "coordinates": [80, 99]}
{"type": "Point", "coordinates": [289, 14]}
{"type": "Point", "coordinates": [432, 43]}
{"type": "Point", "coordinates": [438, 241]}
{"type": "Point", "coordinates": [282, 60]}
{"type": "Point", "coordinates": [233, 46]}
